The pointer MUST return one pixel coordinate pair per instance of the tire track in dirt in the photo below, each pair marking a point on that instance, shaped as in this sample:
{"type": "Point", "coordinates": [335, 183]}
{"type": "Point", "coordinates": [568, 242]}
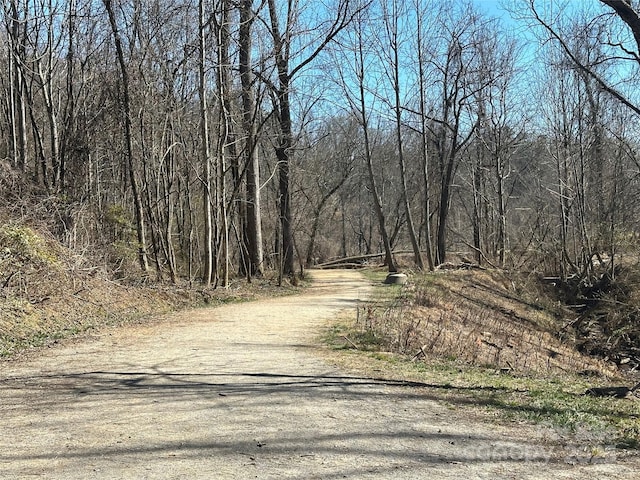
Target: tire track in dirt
{"type": "Point", "coordinates": [240, 392]}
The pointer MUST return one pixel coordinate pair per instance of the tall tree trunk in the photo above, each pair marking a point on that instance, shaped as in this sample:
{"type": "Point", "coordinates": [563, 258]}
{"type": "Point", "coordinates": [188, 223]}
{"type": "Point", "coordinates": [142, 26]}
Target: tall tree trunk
{"type": "Point", "coordinates": [477, 202]}
{"type": "Point", "coordinates": [70, 107]}
{"type": "Point", "coordinates": [47, 83]}
{"type": "Point", "coordinates": [284, 147]}
{"type": "Point", "coordinates": [343, 237]}
{"type": "Point", "coordinates": [17, 30]}
{"type": "Point", "coordinates": [131, 164]}
{"type": "Point", "coordinates": [249, 111]}
{"type": "Point", "coordinates": [153, 214]}
{"type": "Point", "coordinates": [395, 46]}
{"type": "Point", "coordinates": [377, 203]}
{"type": "Point", "coordinates": [12, 100]}
{"type": "Point", "coordinates": [424, 140]}
{"type": "Point", "coordinates": [502, 215]}
{"type": "Point", "coordinates": [52, 117]}
{"type": "Point", "coordinates": [445, 204]}
{"type": "Point", "coordinates": [225, 139]}
{"type": "Point", "coordinates": [170, 200]}
{"type": "Point", "coordinates": [207, 274]}
{"type": "Point", "coordinates": [40, 157]}
{"type": "Point", "coordinates": [285, 143]}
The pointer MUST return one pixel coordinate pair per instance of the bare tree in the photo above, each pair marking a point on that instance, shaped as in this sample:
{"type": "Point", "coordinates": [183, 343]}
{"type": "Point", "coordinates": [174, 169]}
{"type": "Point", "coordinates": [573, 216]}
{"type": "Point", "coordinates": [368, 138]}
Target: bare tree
{"type": "Point", "coordinates": [225, 136]}
{"type": "Point", "coordinates": [393, 38]}
{"type": "Point", "coordinates": [452, 126]}
{"type": "Point", "coordinates": [249, 122]}
{"type": "Point", "coordinates": [15, 21]}
{"type": "Point", "coordinates": [131, 163]}
{"type": "Point", "coordinates": [495, 141]}
{"type": "Point", "coordinates": [358, 60]}
{"type": "Point", "coordinates": [282, 37]}
{"type": "Point", "coordinates": [423, 109]}
{"type": "Point", "coordinates": [592, 46]}
{"type": "Point", "coordinates": [630, 16]}
{"type": "Point", "coordinates": [45, 65]}
{"type": "Point", "coordinates": [206, 147]}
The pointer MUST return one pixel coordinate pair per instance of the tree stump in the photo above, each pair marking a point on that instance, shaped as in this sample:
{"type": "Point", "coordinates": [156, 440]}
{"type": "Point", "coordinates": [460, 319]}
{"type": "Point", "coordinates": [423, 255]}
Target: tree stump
{"type": "Point", "coordinates": [395, 279]}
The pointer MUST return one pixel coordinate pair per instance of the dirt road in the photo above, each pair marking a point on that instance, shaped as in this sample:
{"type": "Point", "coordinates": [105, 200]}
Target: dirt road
{"type": "Point", "coordinates": [241, 392]}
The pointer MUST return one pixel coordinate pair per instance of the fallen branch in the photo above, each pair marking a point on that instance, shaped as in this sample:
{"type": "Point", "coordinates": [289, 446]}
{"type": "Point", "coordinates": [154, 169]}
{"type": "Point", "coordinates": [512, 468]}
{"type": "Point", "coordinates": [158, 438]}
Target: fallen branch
{"type": "Point", "coordinates": [614, 392]}
{"type": "Point", "coordinates": [6, 282]}
{"type": "Point", "coordinates": [357, 259]}
{"type": "Point", "coordinates": [349, 340]}
{"type": "Point", "coordinates": [420, 352]}
{"type": "Point", "coordinates": [350, 265]}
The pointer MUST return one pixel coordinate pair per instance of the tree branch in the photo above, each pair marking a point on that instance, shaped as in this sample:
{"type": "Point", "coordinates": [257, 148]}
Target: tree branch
{"type": "Point", "coordinates": [604, 85]}
{"type": "Point", "coordinates": [343, 19]}
{"type": "Point", "coordinates": [627, 14]}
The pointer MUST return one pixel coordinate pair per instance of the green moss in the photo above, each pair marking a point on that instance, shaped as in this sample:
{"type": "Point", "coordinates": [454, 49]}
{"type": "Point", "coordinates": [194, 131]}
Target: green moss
{"type": "Point", "coordinates": [21, 244]}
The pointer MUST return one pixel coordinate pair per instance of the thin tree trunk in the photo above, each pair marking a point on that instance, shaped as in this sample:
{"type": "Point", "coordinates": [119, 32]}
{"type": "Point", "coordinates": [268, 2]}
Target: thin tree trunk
{"type": "Point", "coordinates": [424, 150]}
{"type": "Point", "coordinates": [38, 145]}
{"type": "Point", "coordinates": [169, 219]}
{"type": "Point", "coordinates": [70, 107]}
{"type": "Point", "coordinates": [12, 101]}
{"type": "Point", "coordinates": [285, 144]}
{"type": "Point", "coordinates": [377, 203]}
{"type": "Point", "coordinates": [477, 204]}
{"type": "Point", "coordinates": [138, 207]}
{"type": "Point", "coordinates": [18, 86]}
{"type": "Point", "coordinates": [224, 89]}
{"type": "Point", "coordinates": [343, 238]}
{"type": "Point", "coordinates": [46, 82]}
{"type": "Point", "coordinates": [445, 204]}
{"type": "Point", "coordinates": [502, 216]}
{"type": "Point", "coordinates": [477, 166]}
{"type": "Point", "coordinates": [54, 136]}
{"type": "Point", "coordinates": [400, 144]}
{"type": "Point", "coordinates": [154, 218]}
{"type": "Point", "coordinates": [207, 274]}
{"type": "Point", "coordinates": [253, 209]}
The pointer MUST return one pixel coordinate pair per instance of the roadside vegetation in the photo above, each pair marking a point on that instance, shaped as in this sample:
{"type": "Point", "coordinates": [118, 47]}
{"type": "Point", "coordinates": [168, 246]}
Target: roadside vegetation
{"type": "Point", "coordinates": [492, 340]}
{"type": "Point", "coordinates": [49, 292]}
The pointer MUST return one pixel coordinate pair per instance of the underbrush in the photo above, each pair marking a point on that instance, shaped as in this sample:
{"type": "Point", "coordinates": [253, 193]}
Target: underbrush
{"type": "Point", "coordinates": [47, 293]}
{"type": "Point", "coordinates": [479, 318]}
{"type": "Point", "coordinates": [606, 319]}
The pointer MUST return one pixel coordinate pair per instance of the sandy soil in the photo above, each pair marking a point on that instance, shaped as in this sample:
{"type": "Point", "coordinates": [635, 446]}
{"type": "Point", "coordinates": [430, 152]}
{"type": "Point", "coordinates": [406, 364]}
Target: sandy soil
{"type": "Point", "coordinates": [241, 391]}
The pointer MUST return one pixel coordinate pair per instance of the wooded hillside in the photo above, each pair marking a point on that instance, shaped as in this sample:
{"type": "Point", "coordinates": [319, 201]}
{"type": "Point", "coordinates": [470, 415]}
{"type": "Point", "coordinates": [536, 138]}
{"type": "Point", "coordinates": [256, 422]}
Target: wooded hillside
{"type": "Point", "coordinates": [203, 139]}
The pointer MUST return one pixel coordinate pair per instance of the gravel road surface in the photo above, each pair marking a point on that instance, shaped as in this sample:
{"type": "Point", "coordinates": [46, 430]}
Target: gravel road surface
{"type": "Point", "coordinates": [241, 391]}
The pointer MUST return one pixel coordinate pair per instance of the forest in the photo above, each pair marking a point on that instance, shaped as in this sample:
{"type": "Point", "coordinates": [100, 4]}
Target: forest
{"type": "Point", "coordinates": [197, 140]}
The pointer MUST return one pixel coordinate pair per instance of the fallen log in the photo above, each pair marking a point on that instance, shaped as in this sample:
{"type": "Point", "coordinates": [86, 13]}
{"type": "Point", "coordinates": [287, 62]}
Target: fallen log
{"type": "Point", "coordinates": [614, 392]}
{"type": "Point", "coordinates": [348, 266]}
{"type": "Point", "coordinates": [358, 258]}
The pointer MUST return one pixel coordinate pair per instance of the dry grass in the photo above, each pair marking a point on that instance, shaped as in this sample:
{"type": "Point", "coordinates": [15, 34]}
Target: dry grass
{"type": "Point", "coordinates": [47, 293]}
{"type": "Point", "coordinates": [477, 339]}
{"type": "Point", "coordinates": [479, 318]}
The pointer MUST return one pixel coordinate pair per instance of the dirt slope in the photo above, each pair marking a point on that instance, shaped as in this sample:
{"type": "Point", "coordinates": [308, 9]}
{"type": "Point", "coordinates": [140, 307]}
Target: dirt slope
{"type": "Point", "coordinates": [241, 392]}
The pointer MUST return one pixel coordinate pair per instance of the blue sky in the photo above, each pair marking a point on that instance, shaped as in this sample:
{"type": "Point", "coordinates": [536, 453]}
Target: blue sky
{"type": "Point", "coordinates": [490, 6]}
